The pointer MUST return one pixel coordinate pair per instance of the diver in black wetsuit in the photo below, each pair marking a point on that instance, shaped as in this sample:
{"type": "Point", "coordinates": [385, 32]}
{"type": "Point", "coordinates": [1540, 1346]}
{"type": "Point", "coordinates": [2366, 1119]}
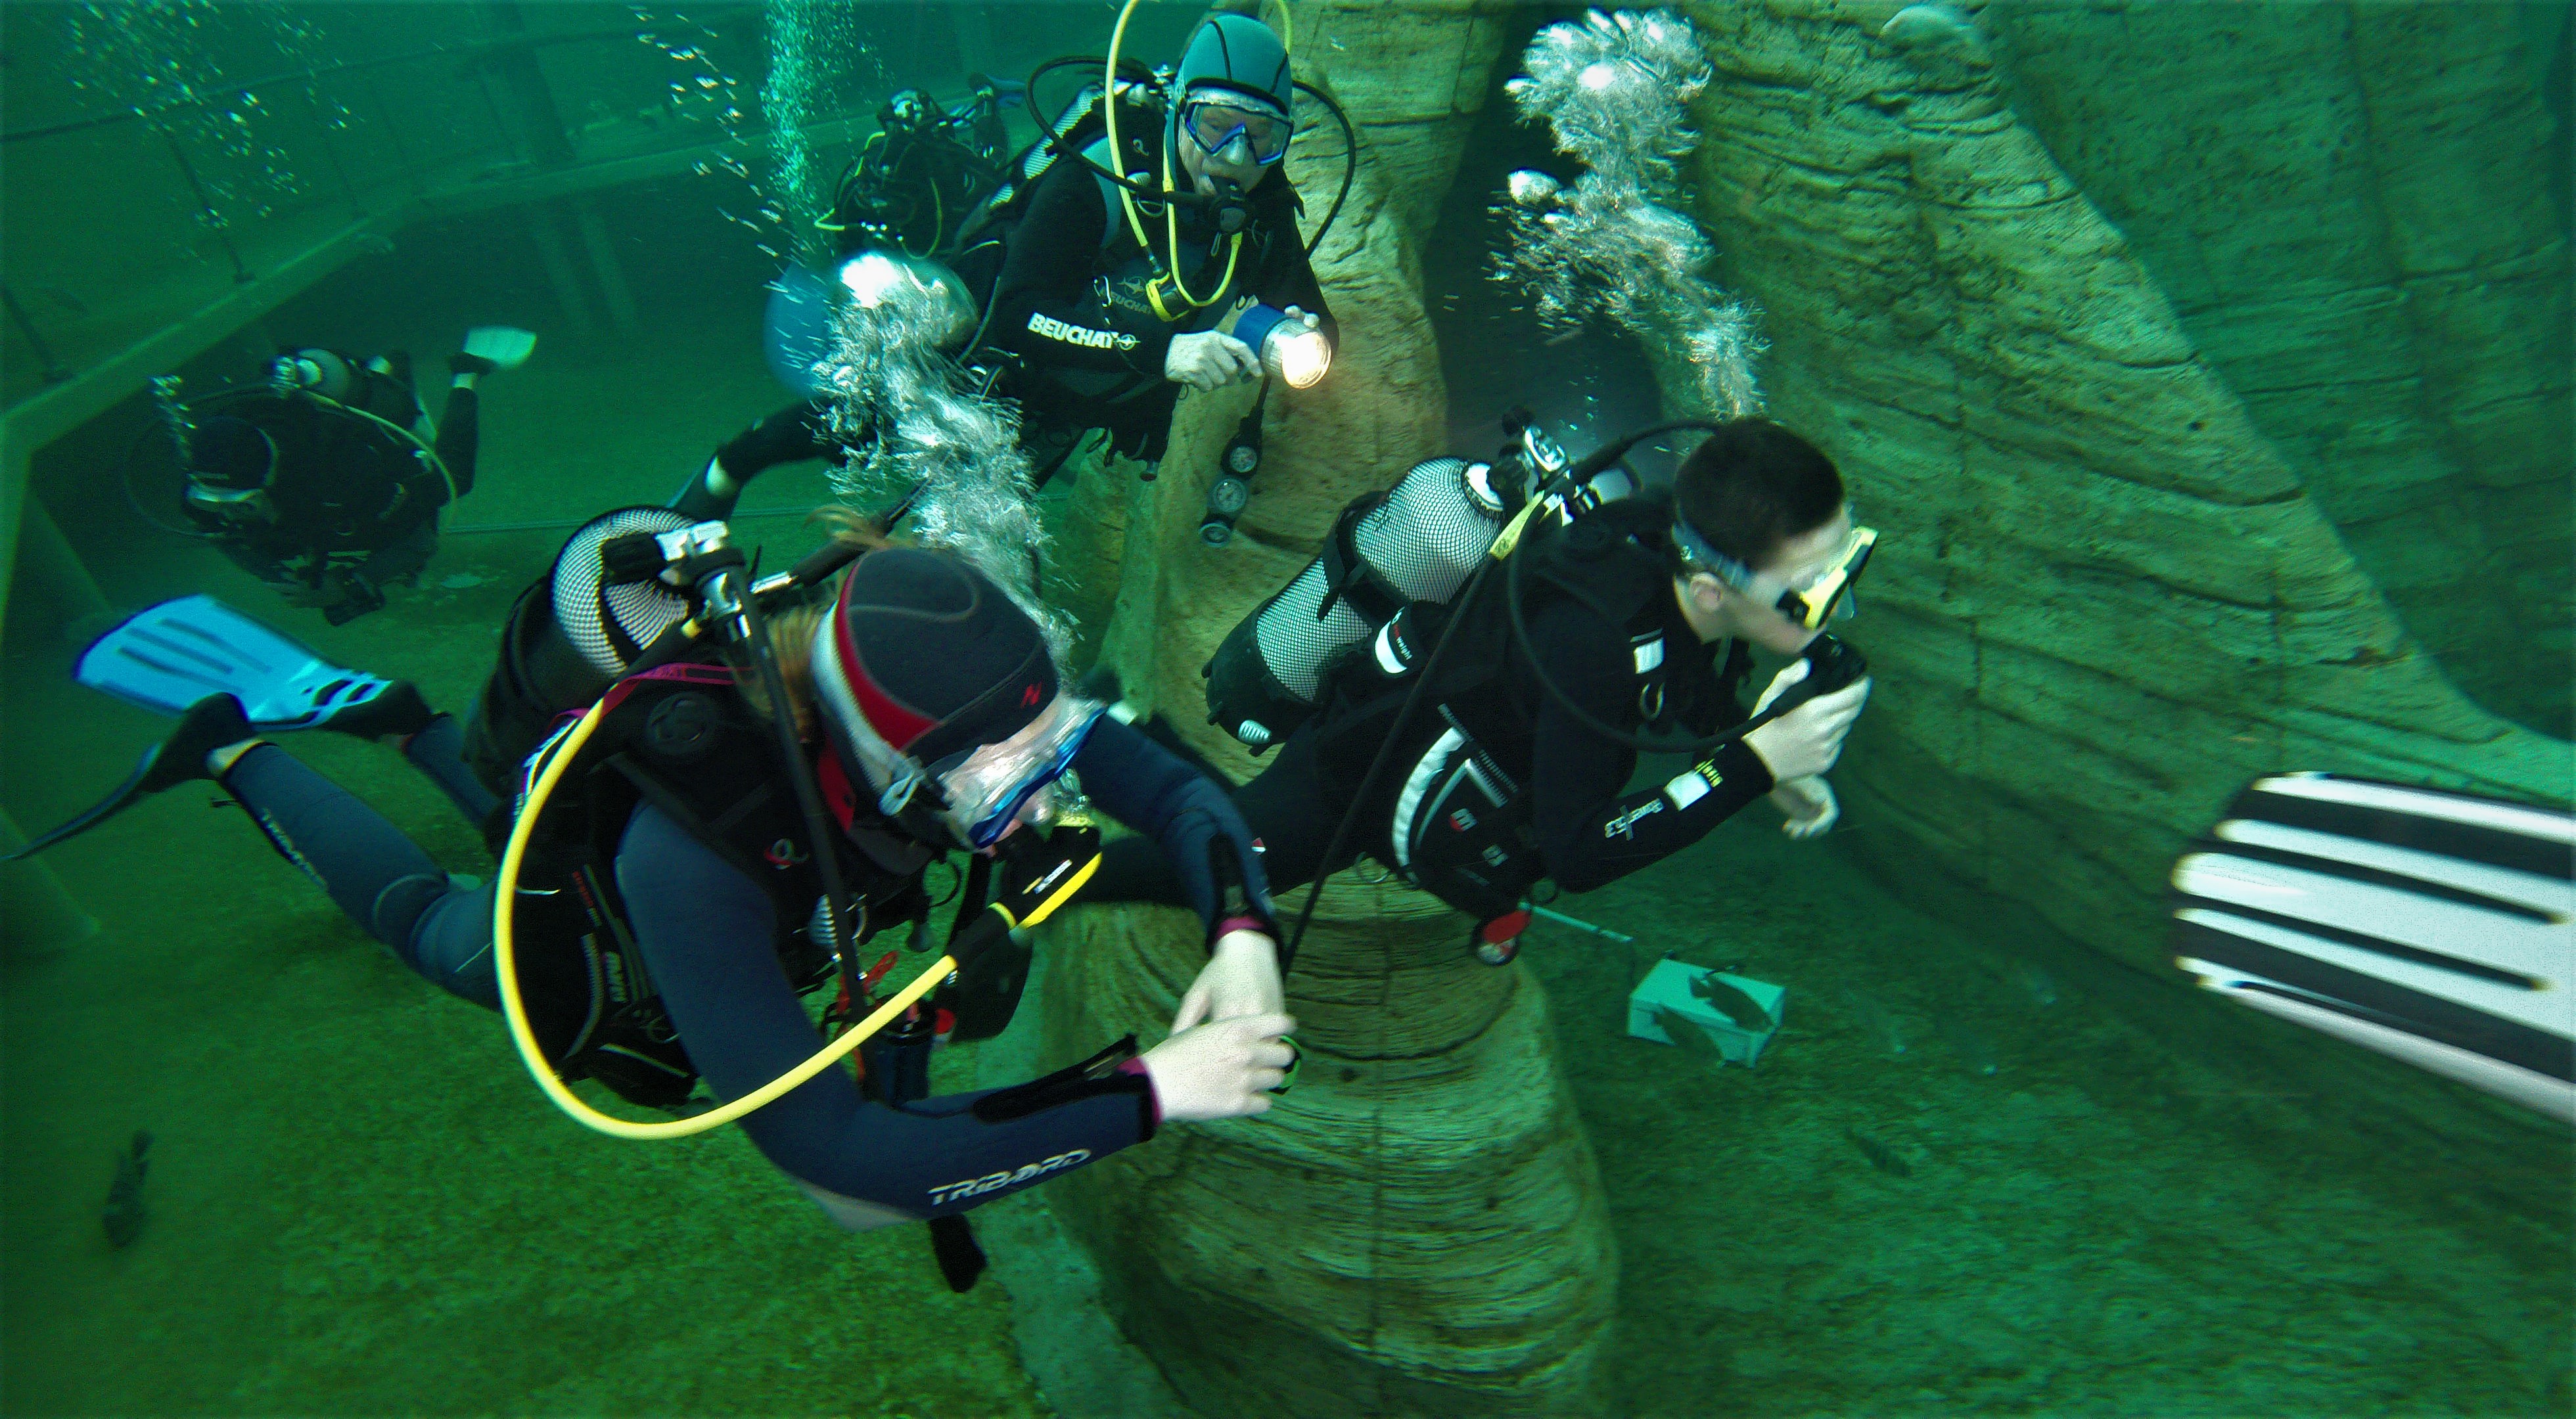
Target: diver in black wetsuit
{"type": "Point", "coordinates": [327, 483]}
{"type": "Point", "coordinates": [929, 704]}
{"type": "Point", "coordinates": [1757, 516]}
{"type": "Point", "coordinates": [1103, 311]}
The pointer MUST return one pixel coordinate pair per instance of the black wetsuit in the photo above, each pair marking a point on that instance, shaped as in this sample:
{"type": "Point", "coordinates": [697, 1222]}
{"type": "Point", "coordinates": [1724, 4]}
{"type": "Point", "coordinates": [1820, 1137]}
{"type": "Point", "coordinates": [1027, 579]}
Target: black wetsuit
{"type": "Point", "coordinates": [1068, 305]}
{"type": "Point", "coordinates": [351, 496]}
{"type": "Point", "coordinates": [1072, 305]}
{"type": "Point", "coordinates": [1591, 828]}
{"type": "Point", "coordinates": [708, 935]}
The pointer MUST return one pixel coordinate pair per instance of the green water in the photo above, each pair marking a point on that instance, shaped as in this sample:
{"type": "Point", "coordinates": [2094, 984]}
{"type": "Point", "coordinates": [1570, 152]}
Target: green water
{"type": "Point", "coordinates": [1983, 1169]}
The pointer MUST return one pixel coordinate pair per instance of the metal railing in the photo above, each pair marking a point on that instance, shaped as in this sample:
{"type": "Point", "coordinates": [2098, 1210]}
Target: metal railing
{"type": "Point", "coordinates": [99, 257]}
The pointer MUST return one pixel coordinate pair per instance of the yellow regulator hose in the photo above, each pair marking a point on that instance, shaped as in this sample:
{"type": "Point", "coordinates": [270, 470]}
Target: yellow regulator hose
{"type": "Point", "coordinates": [514, 1009]}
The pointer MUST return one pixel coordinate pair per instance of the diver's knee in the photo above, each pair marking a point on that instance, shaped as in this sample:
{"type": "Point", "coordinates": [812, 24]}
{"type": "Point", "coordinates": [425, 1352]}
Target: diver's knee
{"type": "Point", "coordinates": [399, 907]}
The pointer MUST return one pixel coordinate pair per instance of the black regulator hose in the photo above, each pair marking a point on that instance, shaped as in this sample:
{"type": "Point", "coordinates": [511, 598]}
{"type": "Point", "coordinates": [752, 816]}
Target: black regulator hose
{"type": "Point", "coordinates": [1350, 162]}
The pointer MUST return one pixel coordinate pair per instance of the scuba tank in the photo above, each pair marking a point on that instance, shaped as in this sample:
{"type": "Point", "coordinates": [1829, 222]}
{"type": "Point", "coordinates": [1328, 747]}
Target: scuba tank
{"type": "Point", "coordinates": [570, 635]}
{"type": "Point", "coordinates": [1417, 542]}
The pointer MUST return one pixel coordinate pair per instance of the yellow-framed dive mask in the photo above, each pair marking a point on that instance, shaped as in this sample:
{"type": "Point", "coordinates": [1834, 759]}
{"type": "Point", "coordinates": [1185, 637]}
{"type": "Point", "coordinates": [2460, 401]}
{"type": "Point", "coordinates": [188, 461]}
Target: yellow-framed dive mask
{"type": "Point", "coordinates": [1810, 601]}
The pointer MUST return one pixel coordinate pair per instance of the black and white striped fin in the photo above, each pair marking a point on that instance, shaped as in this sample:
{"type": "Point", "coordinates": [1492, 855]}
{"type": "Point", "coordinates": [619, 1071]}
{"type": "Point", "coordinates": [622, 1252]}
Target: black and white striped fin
{"type": "Point", "coordinates": [2423, 923]}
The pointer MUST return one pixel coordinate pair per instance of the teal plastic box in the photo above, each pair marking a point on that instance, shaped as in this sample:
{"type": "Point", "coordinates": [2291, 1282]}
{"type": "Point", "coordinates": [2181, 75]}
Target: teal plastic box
{"type": "Point", "coordinates": [1669, 985]}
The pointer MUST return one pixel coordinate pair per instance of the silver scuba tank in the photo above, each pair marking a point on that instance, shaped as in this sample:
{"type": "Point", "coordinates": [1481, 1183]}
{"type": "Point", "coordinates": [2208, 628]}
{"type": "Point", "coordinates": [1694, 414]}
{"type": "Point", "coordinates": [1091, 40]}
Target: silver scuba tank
{"type": "Point", "coordinates": [570, 636]}
{"type": "Point", "coordinates": [1418, 542]}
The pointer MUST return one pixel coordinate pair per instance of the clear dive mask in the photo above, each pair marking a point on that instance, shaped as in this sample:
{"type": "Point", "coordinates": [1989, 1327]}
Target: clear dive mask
{"type": "Point", "coordinates": [990, 788]}
{"type": "Point", "coordinates": [1236, 135]}
{"type": "Point", "coordinates": [1818, 596]}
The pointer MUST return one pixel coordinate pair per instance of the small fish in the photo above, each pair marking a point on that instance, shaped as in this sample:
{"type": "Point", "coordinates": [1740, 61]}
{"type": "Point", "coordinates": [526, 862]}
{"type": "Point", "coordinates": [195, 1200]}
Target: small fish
{"type": "Point", "coordinates": [1735, 1004]}
{"type": "Point", "coordinates": [2036, 984]}
{"type": "Point", "coordinates": [1678, 1028]}
{"type": "Point", "coordinates": [1880, 1156]}
{"type": "Point", "coordinates": [125, 1213]}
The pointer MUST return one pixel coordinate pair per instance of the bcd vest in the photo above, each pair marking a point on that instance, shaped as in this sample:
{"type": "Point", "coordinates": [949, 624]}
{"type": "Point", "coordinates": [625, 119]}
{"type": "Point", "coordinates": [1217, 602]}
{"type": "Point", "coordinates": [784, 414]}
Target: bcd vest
{"type": "Point", "coordinates": [682, 739]}
{"type": "Point", "coordinates": [1453, 799]}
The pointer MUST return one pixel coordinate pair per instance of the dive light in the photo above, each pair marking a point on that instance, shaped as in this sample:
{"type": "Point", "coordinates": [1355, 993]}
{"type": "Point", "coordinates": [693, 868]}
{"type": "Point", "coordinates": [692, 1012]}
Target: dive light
{"type": "Point", "coordinates": [1292, 351]}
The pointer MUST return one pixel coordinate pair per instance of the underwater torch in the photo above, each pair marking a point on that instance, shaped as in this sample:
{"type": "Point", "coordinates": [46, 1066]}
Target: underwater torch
{"type": "Point", "coordinates": [1293, 351]}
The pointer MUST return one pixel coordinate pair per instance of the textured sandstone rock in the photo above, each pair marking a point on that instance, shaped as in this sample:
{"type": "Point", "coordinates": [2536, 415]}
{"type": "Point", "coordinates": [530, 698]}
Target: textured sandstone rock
{"type": "Point", "coordinates": [2105, 600]}
{"type": "Point", "coordinates": [2350, 207]}
{"type": "Point", "coordinates": [1419, 1228]}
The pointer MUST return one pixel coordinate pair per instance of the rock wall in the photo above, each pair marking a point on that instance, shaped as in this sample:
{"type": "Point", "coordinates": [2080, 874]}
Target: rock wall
{"type": "Point", "coordinates": [2105, 600]}
{"type": "Point", "coordinates": [1419, 1228]}
{"type": "Point", "coordinates": [2354, 213]}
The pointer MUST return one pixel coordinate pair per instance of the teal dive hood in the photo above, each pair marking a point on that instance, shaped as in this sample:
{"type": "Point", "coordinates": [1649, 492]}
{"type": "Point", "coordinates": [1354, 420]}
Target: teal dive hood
{"type": "Point", "coordinates": [1235, 52]}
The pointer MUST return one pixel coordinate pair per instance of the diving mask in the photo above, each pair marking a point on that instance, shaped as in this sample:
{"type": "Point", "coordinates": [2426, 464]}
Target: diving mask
{"type": "Point", "coordinates": [1810, 601]}
{"type": "Point", "coordinates": [989, 789]}
{"type": "Point", "coordinates": [1236, 134]}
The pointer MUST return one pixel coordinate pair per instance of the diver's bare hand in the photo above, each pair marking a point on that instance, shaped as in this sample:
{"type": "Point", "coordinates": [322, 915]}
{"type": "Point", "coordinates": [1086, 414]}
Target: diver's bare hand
{"type": "Point", "coordinates": [1210, 359]}
{"type": "Point", "coordinates": [1807, 740]}
{"type": "Point", "coordinates": [1221, 1070]}
{"type": "Point", "coordinates": [1241, 978]}
{"type": "Point", "coordinates": [1808, 804]}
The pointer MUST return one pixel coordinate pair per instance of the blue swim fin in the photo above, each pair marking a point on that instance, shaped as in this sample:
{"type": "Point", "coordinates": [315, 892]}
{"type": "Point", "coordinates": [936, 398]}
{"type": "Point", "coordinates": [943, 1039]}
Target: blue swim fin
{"type": "Point", "coordinates": [177, 653]}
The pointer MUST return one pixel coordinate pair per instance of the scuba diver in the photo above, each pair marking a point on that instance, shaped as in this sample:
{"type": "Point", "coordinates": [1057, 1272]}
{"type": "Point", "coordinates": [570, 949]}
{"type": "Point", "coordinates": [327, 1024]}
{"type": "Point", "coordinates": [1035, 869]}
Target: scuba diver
{"type": "Point", "coordinates": [673, 885]}
{"type": "Point", "coordinates": [1107, 286]}
{"type": "Point", "coordinates": [1627, 613]}
{"type": "Point", "coordinates": [326, 481]}
{"type": "Point", "coordinates": [921, 176]}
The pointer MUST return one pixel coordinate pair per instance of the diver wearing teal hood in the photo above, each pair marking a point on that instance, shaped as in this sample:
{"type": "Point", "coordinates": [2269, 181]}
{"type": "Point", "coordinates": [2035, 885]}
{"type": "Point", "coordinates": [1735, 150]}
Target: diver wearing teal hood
{"type": "Point", "coordinates": [1106, 302]}
{"type": "Point", "coordinates": [1116, 301]}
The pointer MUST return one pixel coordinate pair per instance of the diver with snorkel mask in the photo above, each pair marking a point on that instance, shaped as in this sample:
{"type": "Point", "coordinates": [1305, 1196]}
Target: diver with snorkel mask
{"type": "Point", "coordinates": [1474, 723]}
{"type": "Point", "coordinates": [1106, 287]}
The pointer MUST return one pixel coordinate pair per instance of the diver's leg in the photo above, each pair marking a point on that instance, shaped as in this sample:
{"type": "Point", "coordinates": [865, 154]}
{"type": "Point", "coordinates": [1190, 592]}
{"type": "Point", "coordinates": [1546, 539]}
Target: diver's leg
{"type": "Point", "coordinates": [459, 435]}
{"type": "Point", "coordinates": [380, 878]}
{"type": "Point", "coordinates": [1293, 818]}
{"type": "Point", "coordinates": [438, 750]}
{"type": "Point", "coordinates": [792, 435]}
{"type": "Point", "coordinates": [1048, 447]}
{"type": "Point", "coordinates": [434, 743]}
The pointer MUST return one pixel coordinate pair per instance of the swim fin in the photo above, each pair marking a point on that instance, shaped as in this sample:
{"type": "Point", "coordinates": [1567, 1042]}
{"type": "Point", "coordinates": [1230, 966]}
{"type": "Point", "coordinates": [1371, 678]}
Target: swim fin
{"type": "Point", "coordinates": [211, 723]}
{"type": "Point", "coordinates": [2435, 927]}
{"type": "Point", "coordinates": [506, 346]}
{"type": "Point", "coordinates": [172, 655]}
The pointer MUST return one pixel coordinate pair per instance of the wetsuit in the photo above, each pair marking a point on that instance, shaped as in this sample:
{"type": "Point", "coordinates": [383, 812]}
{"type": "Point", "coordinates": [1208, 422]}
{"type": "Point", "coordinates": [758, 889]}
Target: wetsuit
{"type": "Point", "coordinates": [1591, 828]}
{"type": "Point", "coordinates": [351, 497]}
{"type": "Point", "coordinates": [708, 935]}
{"type": "Point", "coordinates": [1073, 305]}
